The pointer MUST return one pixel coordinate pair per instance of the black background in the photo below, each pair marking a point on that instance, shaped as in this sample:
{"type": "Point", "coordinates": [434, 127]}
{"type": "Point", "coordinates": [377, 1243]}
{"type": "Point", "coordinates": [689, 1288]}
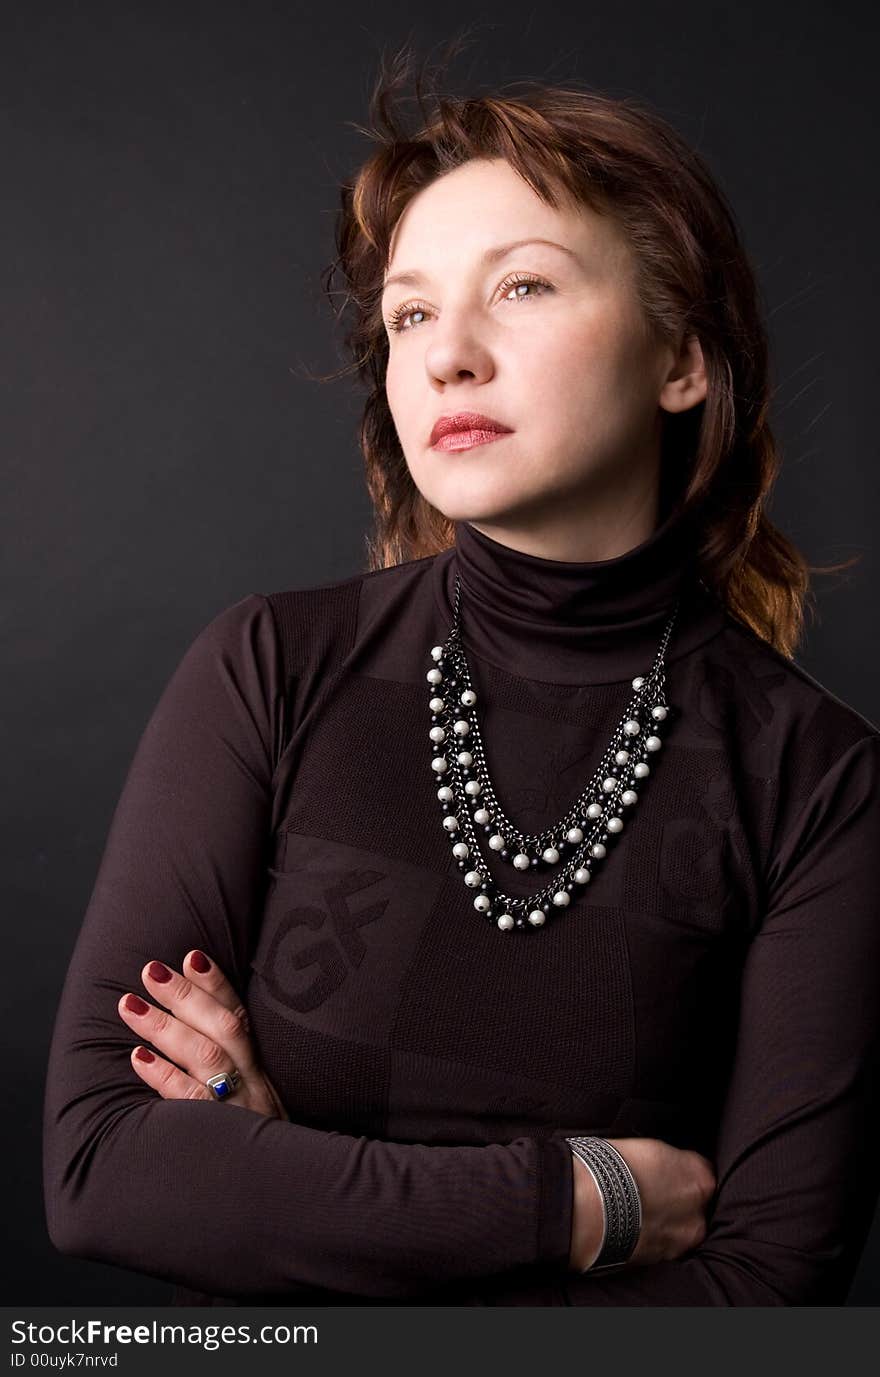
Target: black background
{"type": "Point", "coordinates": [169, 186]}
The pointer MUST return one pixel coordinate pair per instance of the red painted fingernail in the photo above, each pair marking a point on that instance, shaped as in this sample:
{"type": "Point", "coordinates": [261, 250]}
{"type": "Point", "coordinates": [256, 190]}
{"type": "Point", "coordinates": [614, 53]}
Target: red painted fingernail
{"type": "Point", "coordinates": [136, 1005]}
{"type": "Point", "coordinates": [157, 971]}
{"type": "Point", "coordinates": [143, 1054]}
{"type": "Point", "coordinates": [199, 961]}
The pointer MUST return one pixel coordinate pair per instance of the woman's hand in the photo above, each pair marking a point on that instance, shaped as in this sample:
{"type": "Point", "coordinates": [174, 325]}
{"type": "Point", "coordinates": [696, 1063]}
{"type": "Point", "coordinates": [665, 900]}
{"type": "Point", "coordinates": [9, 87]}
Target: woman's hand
{"type": "Point", "coordinates": [676, 1186]}
{"type": "Point", "coordinates": [204, 1029]}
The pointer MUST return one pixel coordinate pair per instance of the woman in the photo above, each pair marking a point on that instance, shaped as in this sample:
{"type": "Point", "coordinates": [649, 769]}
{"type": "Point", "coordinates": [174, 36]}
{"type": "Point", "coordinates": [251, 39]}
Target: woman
{"type": "Point", "coordinates": [653, 1056]}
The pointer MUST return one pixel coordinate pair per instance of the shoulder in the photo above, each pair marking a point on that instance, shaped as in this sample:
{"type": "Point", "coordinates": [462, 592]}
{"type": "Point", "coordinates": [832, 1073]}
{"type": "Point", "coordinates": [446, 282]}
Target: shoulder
{"type": "Point", "coordinates": [261, 659]}
{"type": "Point", "coordinates": [318, 623]}
{"type": "Point", "coordinates": [341, 591]}
{"type": "Point", "coordinates": [803, 700]}
{"type": "Point", "coordinates": [803, 759]}
{"type": "Point", "coordinates": [321, 610]}
{"type": "Point", "coordinates": [809, 749]}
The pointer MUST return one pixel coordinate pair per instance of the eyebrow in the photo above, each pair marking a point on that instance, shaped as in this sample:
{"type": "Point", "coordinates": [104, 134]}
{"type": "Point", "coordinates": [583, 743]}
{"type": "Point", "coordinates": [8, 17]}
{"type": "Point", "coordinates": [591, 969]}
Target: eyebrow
{"type": "Point", "coordinates": [493, 255]}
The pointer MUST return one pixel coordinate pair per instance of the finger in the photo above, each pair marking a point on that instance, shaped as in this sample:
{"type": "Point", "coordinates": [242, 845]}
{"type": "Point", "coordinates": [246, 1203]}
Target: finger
{"type": "Point", "coordinates": [199, 1055]}
{"type": "Point", "coordinates": [208, 976]}
{"type": "Point", "coordinates": [182, 1044]}
{"type": "Point", "coordinates": [167, 1080]}
{"type": "Point", "coordinates": [200, 1010]}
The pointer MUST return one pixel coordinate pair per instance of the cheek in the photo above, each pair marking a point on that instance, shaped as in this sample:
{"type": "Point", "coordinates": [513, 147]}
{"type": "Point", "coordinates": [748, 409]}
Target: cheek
{"type": "Point", "coordinates": [391, 386]}
{"type": "Point", "coordinates": [597, 375]}
{"type": "Point", "coordinates": [596, 348]}
{"type": "Point", "coordinates": [400, 391]}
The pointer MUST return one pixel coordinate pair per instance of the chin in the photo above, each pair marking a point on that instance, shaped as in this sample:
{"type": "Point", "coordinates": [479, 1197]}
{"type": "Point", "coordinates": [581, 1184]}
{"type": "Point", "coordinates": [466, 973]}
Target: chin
{"type": "Point", "coordinates": [483, 513]}
{"type": "Point", "coordinates": [465, 492]}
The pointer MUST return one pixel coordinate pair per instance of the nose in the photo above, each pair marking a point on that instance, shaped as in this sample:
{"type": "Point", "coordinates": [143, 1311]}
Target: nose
{"type": "Point", "coordinates": [456, 350]}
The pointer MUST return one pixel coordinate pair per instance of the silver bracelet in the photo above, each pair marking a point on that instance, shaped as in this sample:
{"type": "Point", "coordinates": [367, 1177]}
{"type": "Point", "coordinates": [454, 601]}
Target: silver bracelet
{"type": "Point", "coordinates": [590, 1265]}
{"type": "Point", "coordinates": [621, 1202]}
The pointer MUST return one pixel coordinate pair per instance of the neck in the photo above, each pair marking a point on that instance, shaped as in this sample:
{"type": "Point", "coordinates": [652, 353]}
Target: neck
{"type": "Point", "coordinates": [577, 621]}
{"type": "Point", "coordinates": [577, 540]}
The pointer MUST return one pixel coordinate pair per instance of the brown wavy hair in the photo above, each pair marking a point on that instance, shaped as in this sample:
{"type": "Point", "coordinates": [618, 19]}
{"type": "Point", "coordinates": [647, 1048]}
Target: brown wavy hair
{"type": "Point", "coordinates": [719, 460]}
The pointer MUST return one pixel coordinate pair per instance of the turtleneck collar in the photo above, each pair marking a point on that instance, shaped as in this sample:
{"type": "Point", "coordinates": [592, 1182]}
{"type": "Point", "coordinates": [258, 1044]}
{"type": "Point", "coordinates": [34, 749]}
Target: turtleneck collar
{"type": "Point", "coordinates": [577, 621]}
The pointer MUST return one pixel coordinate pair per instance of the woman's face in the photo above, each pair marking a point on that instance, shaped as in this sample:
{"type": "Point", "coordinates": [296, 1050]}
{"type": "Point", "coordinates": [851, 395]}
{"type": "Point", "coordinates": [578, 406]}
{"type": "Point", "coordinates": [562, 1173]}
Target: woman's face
{"type": "Point", "coordinates": [565, 363]}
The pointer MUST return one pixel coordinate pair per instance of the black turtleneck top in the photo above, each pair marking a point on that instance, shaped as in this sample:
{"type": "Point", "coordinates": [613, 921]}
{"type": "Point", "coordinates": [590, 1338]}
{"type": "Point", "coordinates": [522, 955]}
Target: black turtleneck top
{"type": "Point", "coordinates": [717, 985]}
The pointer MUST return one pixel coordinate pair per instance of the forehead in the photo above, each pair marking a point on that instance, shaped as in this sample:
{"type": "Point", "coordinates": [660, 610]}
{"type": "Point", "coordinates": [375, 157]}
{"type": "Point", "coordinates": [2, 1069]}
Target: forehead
{"type": "Point", "coordinates": [475, 207]}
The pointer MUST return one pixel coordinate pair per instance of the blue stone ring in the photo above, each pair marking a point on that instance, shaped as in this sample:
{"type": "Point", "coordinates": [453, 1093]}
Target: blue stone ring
{"type": "Point", "coordinates": [225, 1084]}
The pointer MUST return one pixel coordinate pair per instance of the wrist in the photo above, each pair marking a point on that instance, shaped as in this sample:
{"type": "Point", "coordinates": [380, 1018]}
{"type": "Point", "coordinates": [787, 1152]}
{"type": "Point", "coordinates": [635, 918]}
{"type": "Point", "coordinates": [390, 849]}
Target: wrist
{"type": "Point", "coordinates": [621, 1201]}
{"type": "Point", "coordinates": [589, 1212]}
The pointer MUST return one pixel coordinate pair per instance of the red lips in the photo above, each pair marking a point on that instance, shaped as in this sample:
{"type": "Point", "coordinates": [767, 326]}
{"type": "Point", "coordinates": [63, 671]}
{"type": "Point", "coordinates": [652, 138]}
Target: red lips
{"type": "Point", "coordinates": [465, 420]}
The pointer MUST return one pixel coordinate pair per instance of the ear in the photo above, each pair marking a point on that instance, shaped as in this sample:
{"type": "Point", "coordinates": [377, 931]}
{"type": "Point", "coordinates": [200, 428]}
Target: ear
{"type": "Point", "coordinates": [685, 384]}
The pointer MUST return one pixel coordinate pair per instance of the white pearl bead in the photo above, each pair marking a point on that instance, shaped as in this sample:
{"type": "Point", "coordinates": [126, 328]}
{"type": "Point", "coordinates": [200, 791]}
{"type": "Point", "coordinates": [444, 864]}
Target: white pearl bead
{"type": "Point", "coordinates": [609, 784]}
{"type": "Point", "coordinates": [574, 835]}
{"type": "Point", "coordinates": [581, 876]}
{"type": "Point", "coordinates": [468, 698]}
{"type": "Point", "coordinates": [436, 652]}
{"type": "Point", "coordinates": [598, 850]}
{"type": "Point", "coordinates": [473, 878]}
{"type": "Point", "coordinates": [521, 861]}
{"type": "Point", "coordinates": [594, 810]}
{"type": "Point", "coordinates": [440, 764]}
{"type": "Point", "coordinates": [561, 898]}
{"type": "Point", "coordinates": [461, 727]}
{"type": "Point", "coordinates": [450, 823]}
{"type": "Point", "coordinates": [445, 794]}
{"type": "Point", "coordinates": [461, 851]}
{"type": "Point", "coordinates": [437, 734]}
{"type": "Point", "coordinates": [497, 842]}
{"type": "Point", "coordinates": [629, 797]}
{"type": "Point", "coordinates": [473, 787]}
{"type": "Point", "coordinates": [615, 825]}
{"type": "Point", "coordinates": [653, 743]}
{"type": "Point", "coordinates": [632, 727]}
{"type": "Point", "coordinates": [465, 758]}
{"type": "Point", "coordinates": [434, 676]}
{"type": "Point", "coordinates": [638, 681]}
{"type": "Point", "coordinates": [436, 705]}
{"type": "Point", "coordinates": [481, 816]}
{"type": "Point", "coordinates": [550, 854]}
{"type": "Point", "coordinates": [505, 921]}
{"type": "Point", "coordinates": [482, 902]}
{"type": "Point", "coordinates": [659, 712]}
{"type": "Point", "coordinates": [622, 757]}
{"type": "Point", "coordinates": [641, 770]}
{"type": "Point", "coordinates": [536, 917]}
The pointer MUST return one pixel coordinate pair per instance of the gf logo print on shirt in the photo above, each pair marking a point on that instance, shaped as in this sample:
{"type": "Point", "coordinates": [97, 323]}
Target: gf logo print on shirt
{"type": "Point", "coordinates": [329, 958]}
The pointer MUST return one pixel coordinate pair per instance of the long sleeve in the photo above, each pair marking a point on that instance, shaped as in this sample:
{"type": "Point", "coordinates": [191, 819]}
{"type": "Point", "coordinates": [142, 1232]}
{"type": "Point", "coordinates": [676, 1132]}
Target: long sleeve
{"type": "Point", "coordinates": [217, 1197]}
{"type": "Point", "coordinates": [799, 1137]}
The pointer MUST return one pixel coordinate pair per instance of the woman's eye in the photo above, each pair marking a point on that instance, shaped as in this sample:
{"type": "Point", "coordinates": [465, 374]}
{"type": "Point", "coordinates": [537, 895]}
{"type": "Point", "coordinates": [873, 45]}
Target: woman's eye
{"type": "Point", "coordinates": [397, 319]}
{"type": "Point", "coordinates": [525, 282]}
